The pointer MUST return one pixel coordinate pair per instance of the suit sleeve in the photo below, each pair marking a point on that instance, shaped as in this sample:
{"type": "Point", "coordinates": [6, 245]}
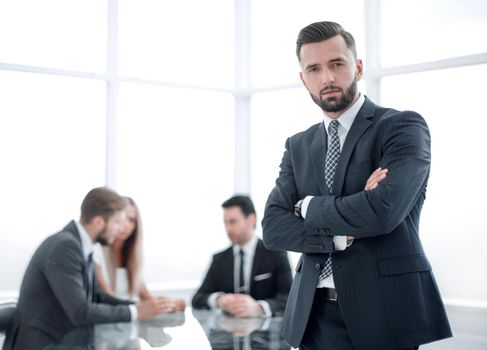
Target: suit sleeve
{"type": "Point", "coordinates": [64, 272]}
{"type": "Point", "coordinates": [209, 286]}
{"type": "Point", "coordinates": [283, 281]}
{"type": "Point", "coordinates": [282, 230]}
{"type": "Point", "coordinates": [405, 149]}
{"type": "Point", "coordinates": [105, 298]}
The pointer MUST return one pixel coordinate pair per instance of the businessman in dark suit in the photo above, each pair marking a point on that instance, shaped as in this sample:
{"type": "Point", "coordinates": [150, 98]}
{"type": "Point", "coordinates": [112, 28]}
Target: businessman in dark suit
{"type": "Point", "coordinates": [245, 280]}
{"type": "Point", "coordinates": [59, 291]}
{"type": "Point", "coordinates": [348, 197]}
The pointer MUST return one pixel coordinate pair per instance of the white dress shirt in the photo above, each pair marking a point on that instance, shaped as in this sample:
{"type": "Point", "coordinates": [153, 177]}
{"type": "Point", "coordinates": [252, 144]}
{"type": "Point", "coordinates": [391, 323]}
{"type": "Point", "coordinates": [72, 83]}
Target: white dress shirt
{"type": "Point", "coordinates": [87, 247]}
{"type": "Point", "coordinates": [346, 120]}
{"type": "Point", "coordinates": [120, 278]}
{"type": "Point", "coordinates": [249, 252]}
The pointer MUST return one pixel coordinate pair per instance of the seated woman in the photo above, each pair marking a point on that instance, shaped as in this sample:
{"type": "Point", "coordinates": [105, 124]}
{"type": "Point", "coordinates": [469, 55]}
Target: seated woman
{"type": "Point", "coordinates": [118, 266]}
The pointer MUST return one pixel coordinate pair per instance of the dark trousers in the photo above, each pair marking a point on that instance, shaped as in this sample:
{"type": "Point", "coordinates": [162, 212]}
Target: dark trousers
{"type": "Point", "coordinates": [326, 329]}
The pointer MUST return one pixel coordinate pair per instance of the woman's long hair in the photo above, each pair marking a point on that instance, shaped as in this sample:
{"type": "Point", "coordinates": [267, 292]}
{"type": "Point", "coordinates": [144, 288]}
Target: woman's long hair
{"type": "Point", "coordinates": [130, 256]}
{"type": "Point", "coordinates": [131, 252]}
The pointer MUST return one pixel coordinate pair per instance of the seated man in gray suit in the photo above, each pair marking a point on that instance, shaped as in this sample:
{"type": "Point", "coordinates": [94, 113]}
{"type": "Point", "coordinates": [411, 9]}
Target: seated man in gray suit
{"type": "Point", "coordinates": [245, 280]}
{"type": "Point", "coordinates": [59, 291]}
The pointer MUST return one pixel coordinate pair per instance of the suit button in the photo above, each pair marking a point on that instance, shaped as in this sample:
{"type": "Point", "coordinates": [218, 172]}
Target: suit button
{"type": "Point", "coordinates": [318, 267]}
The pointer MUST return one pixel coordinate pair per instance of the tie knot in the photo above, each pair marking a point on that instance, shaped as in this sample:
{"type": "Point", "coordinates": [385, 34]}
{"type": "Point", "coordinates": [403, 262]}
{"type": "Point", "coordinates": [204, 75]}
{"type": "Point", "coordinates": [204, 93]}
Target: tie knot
{"type": "Point", "coordinates": [241, 252]}
{"type": "Point", "coordinates": [333, 127]}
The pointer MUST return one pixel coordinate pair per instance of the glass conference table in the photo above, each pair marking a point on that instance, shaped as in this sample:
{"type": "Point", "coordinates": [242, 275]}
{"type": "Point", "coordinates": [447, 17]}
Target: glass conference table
{"type": "Point", "coordinates": [191, 329]}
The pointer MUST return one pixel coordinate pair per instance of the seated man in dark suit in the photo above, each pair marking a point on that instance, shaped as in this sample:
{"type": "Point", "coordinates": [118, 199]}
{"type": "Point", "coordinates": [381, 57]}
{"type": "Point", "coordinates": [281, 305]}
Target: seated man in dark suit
{"type": "Point", "coordinates": [245, 280]}
{"type": "Point", "coordinates": [59, 291]}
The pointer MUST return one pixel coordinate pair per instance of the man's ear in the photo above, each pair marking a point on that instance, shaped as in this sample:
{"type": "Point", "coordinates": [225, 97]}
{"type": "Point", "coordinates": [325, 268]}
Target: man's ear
{"type": "Point", "coordinates": [359, 69]}
{"type": "Point", "coordinates": [98, 222]}
{"type": "Point", "coordinates": [302, 79]}
{"type": "Point", "coordinates": [253, 220]}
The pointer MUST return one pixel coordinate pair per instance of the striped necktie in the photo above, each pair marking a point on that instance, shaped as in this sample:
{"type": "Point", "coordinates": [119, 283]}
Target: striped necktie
{"type": "Point", "coordinates": [332, 156]}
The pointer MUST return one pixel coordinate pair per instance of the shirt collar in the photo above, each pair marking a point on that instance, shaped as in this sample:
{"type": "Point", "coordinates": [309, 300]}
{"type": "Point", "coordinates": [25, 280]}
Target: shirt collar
{"type": "Point", "coordinates": [347, 118]}
{"type": "Point", "coordinates": [86, 242]}
{"type": "Point", "coordinates": [248, 248]}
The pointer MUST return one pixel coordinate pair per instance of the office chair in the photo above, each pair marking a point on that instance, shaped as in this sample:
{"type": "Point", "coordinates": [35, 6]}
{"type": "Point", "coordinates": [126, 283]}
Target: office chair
{"type": "Point", "coordinates": [6, 312]}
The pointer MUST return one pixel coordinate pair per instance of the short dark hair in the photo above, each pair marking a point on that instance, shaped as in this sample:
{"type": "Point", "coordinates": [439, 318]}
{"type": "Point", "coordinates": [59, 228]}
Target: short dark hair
{"type": "Point", "coordinates": [101, 201]}
{"type": "Point", "coordinates": [320, 31]}
{"type": "Point", "coordinates": [243, 202]}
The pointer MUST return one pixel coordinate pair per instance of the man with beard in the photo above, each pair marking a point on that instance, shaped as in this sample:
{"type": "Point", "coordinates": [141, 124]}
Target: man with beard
{"type": "Point", "coordinates": [348, 197]}
{"type": "Point", "coordinates": [59, 291]}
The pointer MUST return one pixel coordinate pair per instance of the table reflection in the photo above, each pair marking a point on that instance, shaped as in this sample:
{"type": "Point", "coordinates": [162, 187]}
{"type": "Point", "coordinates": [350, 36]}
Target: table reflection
{"type": "Point", "coordinates": [225, 332]}
{"type": "Point", "coordinates": [192, 329]}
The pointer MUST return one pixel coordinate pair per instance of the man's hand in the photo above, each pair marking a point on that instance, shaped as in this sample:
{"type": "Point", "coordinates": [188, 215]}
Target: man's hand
{"type": "Point", "coordinates": [240, 305]}
{"type": "Point", "coordinates": [180, 304]}
{"type": "Point", "coordinates": [377, 176]}
{"type": "Point", "coordinates": [151, 307]}
{"type": "Point", "coordinates": [372, 182]}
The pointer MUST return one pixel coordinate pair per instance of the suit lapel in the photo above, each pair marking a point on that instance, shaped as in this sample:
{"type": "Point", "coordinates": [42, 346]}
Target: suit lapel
{"type": "Point", "coordinates": [361, 123]}
{"type": "Point", "coordinates": [72, 229]}
{"type": "Point", "coordinates": [259, 250]}
{"type": "Point", "coordinates": [319, 146]}
{"type": "Point", "coordinates": [227, 271]}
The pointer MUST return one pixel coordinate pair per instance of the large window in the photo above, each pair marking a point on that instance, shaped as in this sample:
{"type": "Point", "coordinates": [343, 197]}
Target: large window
{"type": "Point", "coordinates": [184, 41]}
{"type": "Point", "coordinates": [179, 104]}
{"type": "Point", "coordinates": [275, 25]}
{"type": "Point", "coordinates": [52, 141]}
{"type": "Point", "coordinates": [421, 31]}
{"type": "Point", "coordinates": [175, 158]}
{"type": "Point", "coordinates": [136, 95]}
{"type": "Point", "coordinates": [61, 34]}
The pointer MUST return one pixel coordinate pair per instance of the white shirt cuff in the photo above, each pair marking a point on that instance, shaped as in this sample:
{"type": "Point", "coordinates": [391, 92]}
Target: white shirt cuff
{"type": "Point", "coordinates": [265, 307]}
{"type": "Point", "coordinates": [212, 300]}
{"type": "Point", "coordinates": [340, 242]}
{"type": "Point", "coordinates": [304, 205]}
{"type": "Point", "coordinates": [133, 312]}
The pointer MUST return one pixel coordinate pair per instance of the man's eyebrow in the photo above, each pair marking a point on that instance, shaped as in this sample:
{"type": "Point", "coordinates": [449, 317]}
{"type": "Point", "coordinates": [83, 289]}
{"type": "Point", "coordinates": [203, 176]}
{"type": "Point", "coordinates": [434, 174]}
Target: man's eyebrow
{"type": "Point", "coordinates": [338, 59]}
{"type": "Point", "coordinates": [311, 66]}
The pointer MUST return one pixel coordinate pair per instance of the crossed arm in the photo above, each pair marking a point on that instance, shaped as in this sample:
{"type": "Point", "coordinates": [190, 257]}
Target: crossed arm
{"type": "Point", "coordinates": [376, 210]}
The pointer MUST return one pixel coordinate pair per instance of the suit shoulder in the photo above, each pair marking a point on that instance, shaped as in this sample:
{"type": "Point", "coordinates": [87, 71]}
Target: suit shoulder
{"type": "Point", "coordinates": [391, 115]}
{"type": "Point", "coordinates": [303, 138]}
{"type": "Point", "coordinates": [222, 254]}
{"type": "Point", "coordinates": [406, 126]}
{"type": "Point", "coordinates": [274, 254]}
{"type": "Point", "coordinates": [306, 133]}
{"type": "Point", "coordinates": [63, 238]}
{"type": "Point", "coordinates": [55, 247]}
{"type": "Point", "coordinates": [62, 244]}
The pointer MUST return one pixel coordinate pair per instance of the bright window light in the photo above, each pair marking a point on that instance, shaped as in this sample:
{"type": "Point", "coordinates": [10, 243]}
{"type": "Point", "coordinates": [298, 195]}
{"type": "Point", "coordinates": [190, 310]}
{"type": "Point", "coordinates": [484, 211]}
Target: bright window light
{"type": "Point", "coordinates": [61, 34]}
{"type": "Point", "coordinates": [175, 155]}
{"type": "Point", "coordinates": [417, 31]}
{"type": "Point", "coordinates": [186, 41]}
{"type": "Point", "coordinates": [52, 137]}
{"type": "Point", "coordinates": [273, 56]}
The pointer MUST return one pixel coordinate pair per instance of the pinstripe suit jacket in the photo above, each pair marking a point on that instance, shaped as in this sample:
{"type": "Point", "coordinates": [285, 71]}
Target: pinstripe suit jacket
{"type": "Point", "coordinates": [387, 293]}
